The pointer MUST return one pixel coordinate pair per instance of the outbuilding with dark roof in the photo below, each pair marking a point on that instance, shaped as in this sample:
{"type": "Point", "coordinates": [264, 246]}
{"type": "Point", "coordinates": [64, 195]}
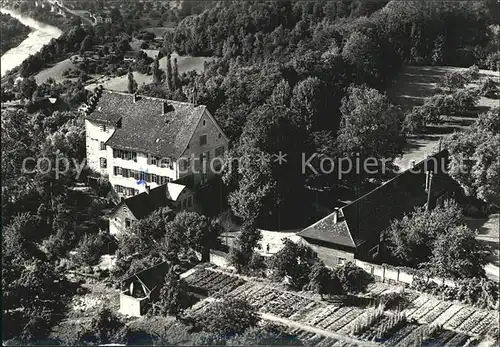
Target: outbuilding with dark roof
{"type": "Point", "coordinates": [354, 231]}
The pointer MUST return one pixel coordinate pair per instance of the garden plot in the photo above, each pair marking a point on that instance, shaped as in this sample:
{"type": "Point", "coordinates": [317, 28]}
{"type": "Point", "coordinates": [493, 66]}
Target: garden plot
{"type": "Point", "coordinates": [317, 317]}
{"type": "Point", "coordinates": [424, 309]}
{"type": "Point", "coordinates": [486, 324]}
{"type": "Point", "coordinates": [332, 318]}
{"type": "Point", "coordinates": [437, 311]}
{"type": "Point", "coordinates": [214, 282]}
{"type": "Point", "coordinates": [459, 318]}
{"type": "Point", "coordinates": [471, 322]}
{"type": "Point", "coordinates": [323, 314]}
{"type": "Point", "coordinates": [305, 313]}
{"type": "Point", "coordinates": [448, 314]}
{"type": "Point", "coordinates": [457, 340]}
{"type": "Point", "coordinates": [342, 321]}
{"type": "Point", "coordinates": [285, 305]}
{"type": "Point", "coordinates": [399, 335]}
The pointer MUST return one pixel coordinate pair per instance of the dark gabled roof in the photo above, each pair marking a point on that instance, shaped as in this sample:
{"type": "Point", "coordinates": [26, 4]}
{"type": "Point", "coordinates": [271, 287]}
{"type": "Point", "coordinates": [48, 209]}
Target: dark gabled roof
{"type": "Point", "coordinates": [144, 128]}
{"type": "Point", "coordinates": [366, 217]}
{"type": "Point", "coordinates": [327, 231]}
{"type": "Point", "coordinates": [142, 205]}
{"type": "Point", "coordinates": [152, 277]}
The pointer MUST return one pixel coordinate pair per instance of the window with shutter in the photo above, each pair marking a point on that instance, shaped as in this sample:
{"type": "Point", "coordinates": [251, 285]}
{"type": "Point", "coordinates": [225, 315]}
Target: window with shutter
{"type": "Point", "coordinates": [103, 162]}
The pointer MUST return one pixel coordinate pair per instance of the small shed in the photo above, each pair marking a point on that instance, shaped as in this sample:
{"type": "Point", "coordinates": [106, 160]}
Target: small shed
{"type": "Point", "coordinates": [140, 290]}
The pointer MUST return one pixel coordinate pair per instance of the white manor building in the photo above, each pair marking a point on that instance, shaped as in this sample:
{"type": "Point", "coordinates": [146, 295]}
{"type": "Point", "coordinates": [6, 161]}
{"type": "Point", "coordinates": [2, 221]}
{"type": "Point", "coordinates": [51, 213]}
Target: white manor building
{"type": "Point", "coordinates": [141, 142]}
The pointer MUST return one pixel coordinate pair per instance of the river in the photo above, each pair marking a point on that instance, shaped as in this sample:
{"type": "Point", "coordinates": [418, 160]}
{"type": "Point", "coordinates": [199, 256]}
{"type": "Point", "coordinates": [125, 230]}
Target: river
{"type": "Point", "coordinates": [41, 34]}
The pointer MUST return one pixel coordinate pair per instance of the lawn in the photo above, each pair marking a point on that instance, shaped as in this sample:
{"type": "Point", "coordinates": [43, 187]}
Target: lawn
{"type": "Point", "coordinates": [488, 234]}
{"type": "Point", "coordinates": [84, 306]}
{"type": "Point", "coordinates": [411, 87]}
{"type": "Point", "coordinates": [159, 31]}
{"type": "Point", "coordinates": [184, 63]}
{"type": "Point", "coordinates": [55, 71]}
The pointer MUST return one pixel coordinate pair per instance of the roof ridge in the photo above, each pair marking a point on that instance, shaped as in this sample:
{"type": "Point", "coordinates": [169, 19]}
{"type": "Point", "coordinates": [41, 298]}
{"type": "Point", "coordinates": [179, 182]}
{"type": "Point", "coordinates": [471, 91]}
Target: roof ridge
{"type": "Point", "coordinates": [399, 175]}
{"type": "Point", "coordinates": [152, 98]}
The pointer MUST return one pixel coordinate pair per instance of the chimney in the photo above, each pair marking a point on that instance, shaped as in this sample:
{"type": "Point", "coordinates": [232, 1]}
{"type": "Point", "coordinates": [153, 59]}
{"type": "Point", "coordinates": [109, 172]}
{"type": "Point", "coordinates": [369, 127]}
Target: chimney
{"type": "Point", "coordinates": [136, 97]}
{"type": "Point", "coordinates": [165, 107]}
{"type": "Point", "coordinates": [412, 163]}
{"type": "Point", "coordinates": [148, 188]}
{"type": "Point", "coordinates": [335, 215]}
{"type": "Point", "coordinates": [429, 175]}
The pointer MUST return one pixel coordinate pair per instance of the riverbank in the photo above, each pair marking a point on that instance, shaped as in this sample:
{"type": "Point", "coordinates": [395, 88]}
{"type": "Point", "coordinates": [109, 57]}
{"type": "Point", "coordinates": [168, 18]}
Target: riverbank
{"type": "Point", "coordinates": [40, 35]}
{"type": "Point", "coordinates": [62, 20]}
{"type": "Point", "coordinates": [13, 32]}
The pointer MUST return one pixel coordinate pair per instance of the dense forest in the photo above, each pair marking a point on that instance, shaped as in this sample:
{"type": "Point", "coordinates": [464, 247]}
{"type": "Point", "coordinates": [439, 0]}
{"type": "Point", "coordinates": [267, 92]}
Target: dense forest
{"type": "Point", "coordinates": [289, 66]}
{"type": "Point", "coordinates": [13, 32]}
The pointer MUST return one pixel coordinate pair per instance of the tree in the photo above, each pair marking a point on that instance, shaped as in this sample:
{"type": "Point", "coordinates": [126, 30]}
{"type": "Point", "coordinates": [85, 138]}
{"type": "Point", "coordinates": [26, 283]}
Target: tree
{"type": "Point", "coordinates": [124, 45]}
{"type": "Point", "coordinates": [174, 295]}
{"type": "Point", "coordinates": [307, 102]}
{"type": "Point", "coordinates": [353, 279]}
{"type": "Point", "coordinates": [364, 53]}
{"type": "Point", "coordinates": [28, 87]}
{"type": "Point", "coordinates": [291, 263]}
{"type": "Point", "coordinates": [282, 94]}
{"type": "Point", "coordinates": [200, 232]}
{"type": "Point", "coordinates": [474, 160]}
{"type": "Point", "coordinates": [132, 84]}
{"type": "Point", "coordinates": [158, 74]}
{"type": "Point", "coordinates": [106, 328]}
{"type": "Point", "coordinates": [17, 238]}
{"type": "Point", "coordinates": [453, 81]}
{"type": "Point", "coordinates": [410, 239]}
{"type": "Point", "coordinates": [169, 78]}
{"type": "Point", "coordinates": [89, 250]}
{"type": "Point", "coordinates": [248, 239]}
{"type": "Point", "coordinates": [86, 44]}
{"type": "Point", "coordinates": [262, 187]}
{"type": "Point", "coordinates": [370, 126]}
{"type": "Point", "coordinates": [228, 317]}
{"type": "Point", "coordinates": [175, 76]}
{"type": "Point", "coordinates": [323, 280]}
{"type": "Point", "coordinates": [458, 254]}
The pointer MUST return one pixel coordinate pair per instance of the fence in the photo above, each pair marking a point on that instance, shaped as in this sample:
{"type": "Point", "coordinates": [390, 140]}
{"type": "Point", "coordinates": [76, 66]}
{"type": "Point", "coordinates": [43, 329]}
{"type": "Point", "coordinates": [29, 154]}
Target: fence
{"type": "Point", "coordinates": [383, 273]}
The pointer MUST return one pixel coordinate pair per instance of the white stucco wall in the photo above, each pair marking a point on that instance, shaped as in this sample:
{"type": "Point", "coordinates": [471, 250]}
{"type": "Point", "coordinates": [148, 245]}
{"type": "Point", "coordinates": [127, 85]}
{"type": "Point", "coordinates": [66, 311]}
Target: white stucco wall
{"type": "Point", "coordinates": [140, 165]}
{"type": "Point", "coordinates": [94, 136]}
{"type": "Point", "coordinates": [215, 139]}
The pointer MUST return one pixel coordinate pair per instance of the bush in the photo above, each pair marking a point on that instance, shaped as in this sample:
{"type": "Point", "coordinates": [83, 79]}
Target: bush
{"type": "Point", "coordinates": [488, 88]}
{"type": "Point", "coordinates": [453, 80]}
{"type": "Point", "coordinates": [352, 278]}
{"type": "Point", "coordinates": [493, 61]}
{"type": "Point", "coordinates": [478, 292]}
{"type": "Point", "coordinates": [472, 73]}
{"type": "Point", "coordinates": [106, 328]}
{"type": "Point", "coordinates": [415, 121]}
{"type": "Point", "coordinates": [394, 300]}
{"type": "Point", "coordinates": [228, 317]}
{"type": "Point", "coordinates": [89, 250]}
{"type": "Point", "coordinates": [463, 100]}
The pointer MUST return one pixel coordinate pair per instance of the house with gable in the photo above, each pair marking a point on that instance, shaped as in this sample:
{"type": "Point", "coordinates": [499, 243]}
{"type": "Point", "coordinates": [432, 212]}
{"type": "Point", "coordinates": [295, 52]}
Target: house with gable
{"type": "Point", "coordinates": [155, 152]}
{"type": "Point", "coordinates": [176, 196]}
{"type": "Point", "coordinates": [355, 231]}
